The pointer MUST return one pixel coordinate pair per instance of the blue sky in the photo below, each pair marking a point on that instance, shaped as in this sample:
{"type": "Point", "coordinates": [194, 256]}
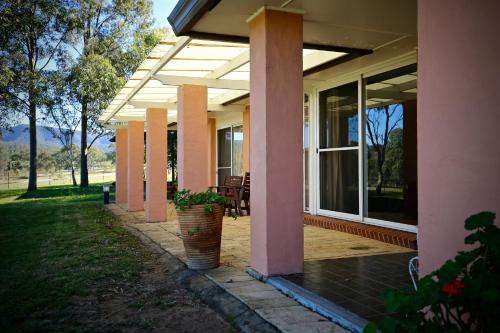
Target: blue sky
{"type": "Point", "coordinates": [161, 9]}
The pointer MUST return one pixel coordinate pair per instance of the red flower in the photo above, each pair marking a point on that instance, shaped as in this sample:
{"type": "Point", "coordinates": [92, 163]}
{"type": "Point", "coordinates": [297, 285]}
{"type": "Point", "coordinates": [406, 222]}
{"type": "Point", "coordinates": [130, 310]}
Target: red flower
{"type": "Point", "coordinates": [454, 288]}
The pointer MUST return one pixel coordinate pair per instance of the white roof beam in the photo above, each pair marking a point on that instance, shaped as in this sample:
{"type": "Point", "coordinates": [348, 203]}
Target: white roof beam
{"type": "Point", "coordinates": [229, 66]}
{"type": "Point", "coordinates": [183, 41]}
{"type": "Point", "coordinates": [228, 96]}
{"type": "Point", "coordinates": [173, 106]}
{"type": "Point", "coordinates": [172, 80]}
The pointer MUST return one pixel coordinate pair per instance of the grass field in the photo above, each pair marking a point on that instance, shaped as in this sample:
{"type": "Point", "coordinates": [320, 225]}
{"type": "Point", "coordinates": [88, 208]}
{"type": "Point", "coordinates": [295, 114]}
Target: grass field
{"type": "Point", "coordinates": [56, 243]}
{"type": "Point", "coordinates": [67, 265]}
{"type": "Point", "coordinates": [55, 179]}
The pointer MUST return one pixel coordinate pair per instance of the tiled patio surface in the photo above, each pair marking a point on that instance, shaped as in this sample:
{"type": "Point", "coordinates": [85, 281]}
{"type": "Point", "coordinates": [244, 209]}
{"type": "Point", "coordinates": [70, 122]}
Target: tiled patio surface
{"type": "Point", "coordinates": [356, 283]}
{"type": "Point", "coordinates": [319, 244]}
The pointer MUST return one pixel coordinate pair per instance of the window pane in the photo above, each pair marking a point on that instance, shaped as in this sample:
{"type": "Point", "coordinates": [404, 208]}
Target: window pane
{"type": "Point", "coordinates": [391, 146]}
{"type": "Point", "coordinates": [339, 181]}
{"type": "Point", "coordinates": [306, 152]}
{"type": "Point", "coordinates": [238, 151]}
{"type": "Point", "coordinates": [224, 147]}
{"type": "Point", "coordinates": [338, 117]}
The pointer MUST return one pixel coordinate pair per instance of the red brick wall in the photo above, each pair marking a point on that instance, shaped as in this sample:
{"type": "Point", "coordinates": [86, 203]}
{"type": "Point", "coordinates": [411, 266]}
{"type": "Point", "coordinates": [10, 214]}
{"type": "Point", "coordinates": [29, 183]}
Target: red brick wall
{"type": "Point", "coordinates": [401, 238]}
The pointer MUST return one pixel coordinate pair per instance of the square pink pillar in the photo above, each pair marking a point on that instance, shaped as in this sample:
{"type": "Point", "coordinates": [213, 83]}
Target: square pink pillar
{"type": "Point", "coordinates": [458, 122]}
{"type": "Point", "coordinates": [192, 133]}
{"type": "Point", "coordinates": [135, 181]}
{"type": "Point", "coordinates": [277, 234]}
{"type": "Point", "coordinates": [156, 165]}
{"type": "Point", "coordinates": [121, 150]}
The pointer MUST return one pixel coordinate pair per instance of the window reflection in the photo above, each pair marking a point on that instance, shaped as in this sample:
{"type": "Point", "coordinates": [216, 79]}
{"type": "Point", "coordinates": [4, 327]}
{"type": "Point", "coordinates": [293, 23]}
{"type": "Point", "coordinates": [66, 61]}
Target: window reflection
{"type": "Point", "coordinates": [391, 149]}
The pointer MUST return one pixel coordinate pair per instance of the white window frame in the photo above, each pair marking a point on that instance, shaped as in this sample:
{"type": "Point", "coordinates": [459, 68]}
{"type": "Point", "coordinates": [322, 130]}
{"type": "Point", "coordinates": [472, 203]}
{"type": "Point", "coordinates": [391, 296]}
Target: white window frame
{"type": "Point", "coordinates": [314, 182]}
{"type": "Point", "coordinates": [217, 148]}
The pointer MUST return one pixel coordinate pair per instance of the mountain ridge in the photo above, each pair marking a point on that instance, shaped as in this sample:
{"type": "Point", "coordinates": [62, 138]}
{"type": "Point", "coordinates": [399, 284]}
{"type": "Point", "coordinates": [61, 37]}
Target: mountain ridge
{"type": "Point", "coordinates": [20, 135]}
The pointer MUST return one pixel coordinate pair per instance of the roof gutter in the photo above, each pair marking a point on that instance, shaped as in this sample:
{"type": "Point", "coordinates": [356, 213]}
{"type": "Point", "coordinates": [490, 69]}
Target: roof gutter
{"type": "Point", "coordinates": [187, 13]}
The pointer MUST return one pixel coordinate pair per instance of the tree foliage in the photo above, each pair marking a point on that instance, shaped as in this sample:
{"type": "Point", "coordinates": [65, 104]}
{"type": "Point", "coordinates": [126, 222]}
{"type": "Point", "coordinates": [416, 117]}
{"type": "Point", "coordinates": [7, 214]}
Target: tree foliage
{"type": "Point", "coordinates": [31, 35]}
{"type": "Point", "coordinates": [113, 37]}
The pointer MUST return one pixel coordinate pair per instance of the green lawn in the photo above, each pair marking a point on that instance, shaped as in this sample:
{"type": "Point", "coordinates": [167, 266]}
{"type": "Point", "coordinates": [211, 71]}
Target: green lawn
{"type": "Point", "coordinates": [57, 244]}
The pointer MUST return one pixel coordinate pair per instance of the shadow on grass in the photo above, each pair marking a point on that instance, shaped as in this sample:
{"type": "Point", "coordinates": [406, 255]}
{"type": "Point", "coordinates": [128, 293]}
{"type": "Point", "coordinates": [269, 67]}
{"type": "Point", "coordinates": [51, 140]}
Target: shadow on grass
{"type": "Point", "coordinates": [91, 193]}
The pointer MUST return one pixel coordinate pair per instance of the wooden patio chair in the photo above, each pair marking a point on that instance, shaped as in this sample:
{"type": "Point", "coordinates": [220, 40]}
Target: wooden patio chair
{"type": "Point", "coordinates": [244, 195]}
{"type": "Point", "coordinates": [231, 191]}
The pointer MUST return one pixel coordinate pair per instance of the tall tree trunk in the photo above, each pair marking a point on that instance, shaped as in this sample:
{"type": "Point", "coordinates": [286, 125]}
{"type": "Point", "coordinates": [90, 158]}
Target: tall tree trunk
{"type": "Point", "coordinates": [72, 163]}
{"type": "Point", "coordinates": [380, 180]}
{"type": "Point", "coordinates": [73, 178]}
{"type": "Point", "coordinates": [32, 181]}
{"type": "Point", "coordinates": [84, 172]}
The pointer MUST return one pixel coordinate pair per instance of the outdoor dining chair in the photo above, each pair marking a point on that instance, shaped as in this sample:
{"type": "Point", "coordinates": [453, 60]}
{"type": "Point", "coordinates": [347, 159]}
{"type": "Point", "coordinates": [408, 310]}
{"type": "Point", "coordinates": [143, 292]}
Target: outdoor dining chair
{"type": "Point", "coordinates": [231, 191]}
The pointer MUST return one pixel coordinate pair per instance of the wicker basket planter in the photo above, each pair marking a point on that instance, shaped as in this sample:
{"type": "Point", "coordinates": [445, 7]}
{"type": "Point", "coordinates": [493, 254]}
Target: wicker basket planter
{"type": "Point", "coordinates": [201, 234]}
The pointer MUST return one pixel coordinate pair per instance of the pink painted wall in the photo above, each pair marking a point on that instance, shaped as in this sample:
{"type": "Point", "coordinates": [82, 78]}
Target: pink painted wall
{"type": "Point", "coordinates": [121, 149]}
{"type": "Point", "coordinates": [212, 150]}
{"type": "Point", "coordinates": [246, 139]}
{"type": "Point", "coordinates": [192, 149]}
{"type": "Point", "coordinates": [277, 239]}
{"type": "Point", "coordinates": [135, 169]}
{"type": "Point", "coordinates": [458, 121]}
{"type": "Point", "coordinates": [156, 165]}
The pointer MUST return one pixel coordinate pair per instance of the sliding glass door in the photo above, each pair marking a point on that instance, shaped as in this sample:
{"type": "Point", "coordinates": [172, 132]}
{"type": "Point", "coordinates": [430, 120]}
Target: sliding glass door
{"type": "Point", "coordinates": [229, 152]}
{"type": "Point", "coordinates": [339, 149]}
{"type": "Point", "coordinates": [224, 159]}
{"type": "Point", "coordinates": [367, 150]}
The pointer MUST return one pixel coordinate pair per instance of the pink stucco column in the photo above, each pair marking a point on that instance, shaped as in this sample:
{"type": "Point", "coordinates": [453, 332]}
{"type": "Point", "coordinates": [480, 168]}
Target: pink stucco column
{"type": "Point", "coordinates": [192, 132]}
{"type": "Point", "coordinates": [156, 165]}
{"type": "Point", "coordinates": [277, 239]}
{"type": "Point", "coordinates": [212, 150]}
{"type": "Point", "coordinates": [121, 150]}
{"type": "Point", "coordinates": [246, 139]}
{"type": "Point", "coordinates": [458, 122]}
{"type": "Point", "coordinates": [135, 171]}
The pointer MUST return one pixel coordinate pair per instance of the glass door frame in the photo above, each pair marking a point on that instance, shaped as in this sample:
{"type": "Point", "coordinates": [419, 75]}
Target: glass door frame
{"type": "Point", "coordinates": [341, 215]}
{"type": "Point", "coordinates": [314, 198]}
{"type": "Point", "coordinates": [217, 167]}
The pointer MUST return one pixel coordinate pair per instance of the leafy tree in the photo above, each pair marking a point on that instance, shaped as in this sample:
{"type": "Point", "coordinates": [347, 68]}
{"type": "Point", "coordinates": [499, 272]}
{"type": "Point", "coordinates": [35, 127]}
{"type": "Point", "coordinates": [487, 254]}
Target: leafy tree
{"type": "Point", "coordinates": [114, 36]}
{"type": "Point", "coordinates": [394, 160]}
{"type": "Point", "coordinates": [63, 117]}
{"type": "Point", "coordinates": [32, 33]}
{"type": "Point", "coordinates": [172, 153]}
{"type": "Point", "coordinates": [96, 157]}
{"type": "Point", "coordinates": [46, 161]}
{"type": "Point", "coordinates": [18, 159]}
{"type": "Point", "coordinates": [61, 158]}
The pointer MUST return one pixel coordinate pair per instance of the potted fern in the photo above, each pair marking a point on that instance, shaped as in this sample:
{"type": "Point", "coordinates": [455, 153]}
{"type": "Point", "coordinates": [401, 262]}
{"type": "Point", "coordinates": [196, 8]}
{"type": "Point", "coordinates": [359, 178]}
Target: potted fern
{"type": "Point", "coordinates": [200, 220]}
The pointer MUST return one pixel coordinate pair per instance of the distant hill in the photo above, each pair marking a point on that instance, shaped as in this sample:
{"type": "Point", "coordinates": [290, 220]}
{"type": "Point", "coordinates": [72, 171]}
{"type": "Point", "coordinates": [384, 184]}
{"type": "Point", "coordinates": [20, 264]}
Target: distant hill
{"type": "Point", "coordinates": [20, 135]}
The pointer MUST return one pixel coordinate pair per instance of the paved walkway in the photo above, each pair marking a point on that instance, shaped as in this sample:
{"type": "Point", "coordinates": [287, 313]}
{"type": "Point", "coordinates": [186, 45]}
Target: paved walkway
{"type": "Point", "coordinates": [281, 311]}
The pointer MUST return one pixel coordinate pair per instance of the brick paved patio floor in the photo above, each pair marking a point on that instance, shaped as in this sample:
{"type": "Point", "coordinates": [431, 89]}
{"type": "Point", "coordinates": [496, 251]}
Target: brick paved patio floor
{"type": "Point", "coordinates": [319, 244]}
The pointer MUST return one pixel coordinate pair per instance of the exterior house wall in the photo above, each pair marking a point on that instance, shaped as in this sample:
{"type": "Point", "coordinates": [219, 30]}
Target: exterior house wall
{"type": "Point", "coordinates": [458, 122]}
{"type": "Point", "coordinates": [227, 119]}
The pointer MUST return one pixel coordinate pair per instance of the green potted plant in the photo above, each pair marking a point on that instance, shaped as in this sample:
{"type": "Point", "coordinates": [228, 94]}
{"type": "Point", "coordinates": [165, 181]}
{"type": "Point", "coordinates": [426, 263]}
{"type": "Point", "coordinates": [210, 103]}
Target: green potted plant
{"type": "Point", "coordinates": [200, 219]}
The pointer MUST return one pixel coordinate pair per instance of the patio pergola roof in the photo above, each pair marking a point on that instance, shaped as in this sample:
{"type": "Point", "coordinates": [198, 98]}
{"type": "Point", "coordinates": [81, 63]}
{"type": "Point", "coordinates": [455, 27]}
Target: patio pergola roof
{"type": "Point", "coordinates": [222, 66]}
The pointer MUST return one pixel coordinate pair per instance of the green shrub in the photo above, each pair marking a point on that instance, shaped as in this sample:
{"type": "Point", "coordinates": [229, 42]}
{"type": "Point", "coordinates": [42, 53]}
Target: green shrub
{"type": "Point", "coordinates": [461, 296]}
{"type": "Point", "coordinates": [185, 198]}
